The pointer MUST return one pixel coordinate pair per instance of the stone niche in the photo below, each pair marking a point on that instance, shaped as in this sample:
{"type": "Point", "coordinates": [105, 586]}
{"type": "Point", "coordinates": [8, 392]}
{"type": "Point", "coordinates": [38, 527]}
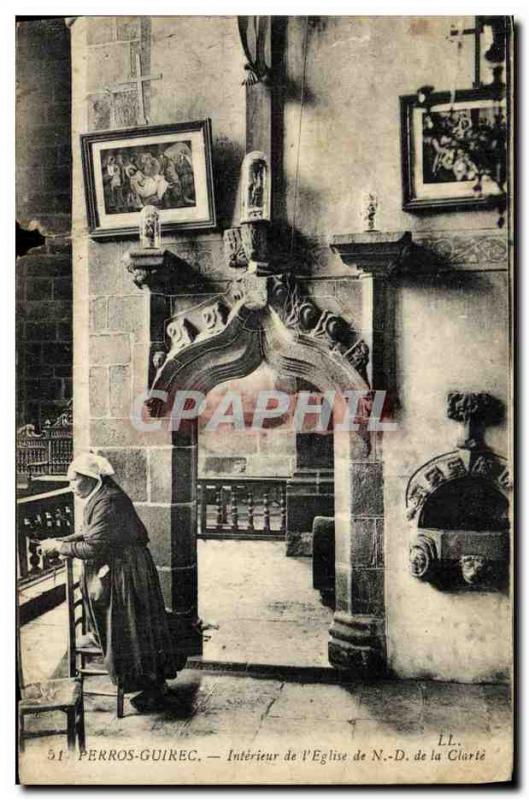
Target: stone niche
{"type": "Point", "coordinates": [461, 504]}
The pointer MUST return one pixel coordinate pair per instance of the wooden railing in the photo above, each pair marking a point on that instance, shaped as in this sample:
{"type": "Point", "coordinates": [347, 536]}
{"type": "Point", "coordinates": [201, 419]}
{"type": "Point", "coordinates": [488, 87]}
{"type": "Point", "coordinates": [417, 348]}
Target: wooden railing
{"type": "Point", "coordinates": [48, 452]}
{"type": "Point", "coordinates": [41, 516]}
{"type": "Point", "coordinates": [242, 508]}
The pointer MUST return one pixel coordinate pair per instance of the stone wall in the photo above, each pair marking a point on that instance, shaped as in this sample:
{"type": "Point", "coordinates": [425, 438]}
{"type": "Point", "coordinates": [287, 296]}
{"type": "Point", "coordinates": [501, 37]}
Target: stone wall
{"type": "Point", "coordinates": [44, 334]}
{"type": "Point", "coordinates": [356, 70]}
{"type": "Point", "coordinates": [112, 315]}
{"type": "Point", "coordinates": [43, 120]}
{"type": "Point", "coordinates": [453, 334]}
{"type": "Point", "coordinates": [43, 203]}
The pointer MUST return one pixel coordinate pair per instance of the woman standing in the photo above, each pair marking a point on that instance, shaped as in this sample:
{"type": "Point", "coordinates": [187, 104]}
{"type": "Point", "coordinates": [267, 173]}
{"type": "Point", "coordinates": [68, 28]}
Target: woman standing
{"type": "Point", "coordinates": [121, 590]}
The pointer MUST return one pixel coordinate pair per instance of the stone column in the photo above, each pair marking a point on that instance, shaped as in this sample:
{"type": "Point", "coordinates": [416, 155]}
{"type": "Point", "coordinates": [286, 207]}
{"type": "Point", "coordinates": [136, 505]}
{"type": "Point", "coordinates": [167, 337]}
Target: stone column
{"type": "Point", "coordinates": [357, 644]}
{"type": "Point", "coordinates": [184, 577]}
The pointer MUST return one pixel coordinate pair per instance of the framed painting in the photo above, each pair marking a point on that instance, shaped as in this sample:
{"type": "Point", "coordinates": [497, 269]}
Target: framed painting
{"type": "Point", "coordinates": [166, 166]}
{"type": "Point", "coordinates": [453, 150]}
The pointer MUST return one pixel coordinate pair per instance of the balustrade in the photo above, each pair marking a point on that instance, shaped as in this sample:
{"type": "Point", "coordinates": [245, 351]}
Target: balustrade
{"type": "Point", "coordinates": [244, 508]}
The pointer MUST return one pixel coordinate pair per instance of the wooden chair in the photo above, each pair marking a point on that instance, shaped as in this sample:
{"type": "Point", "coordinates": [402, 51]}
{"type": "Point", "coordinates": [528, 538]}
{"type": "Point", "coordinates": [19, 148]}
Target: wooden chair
{"type": "Point", "coordinates": [80, 656]}
{"type": "Point", "coordinates": [59, 694]}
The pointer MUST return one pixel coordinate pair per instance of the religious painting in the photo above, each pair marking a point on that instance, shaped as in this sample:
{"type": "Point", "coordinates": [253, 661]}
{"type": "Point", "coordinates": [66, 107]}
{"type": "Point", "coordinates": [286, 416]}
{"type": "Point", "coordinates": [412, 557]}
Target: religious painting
{"type": "Point", "coordinates": [453, 150]}
{"type": "Point", "coordinates": [165, 166]}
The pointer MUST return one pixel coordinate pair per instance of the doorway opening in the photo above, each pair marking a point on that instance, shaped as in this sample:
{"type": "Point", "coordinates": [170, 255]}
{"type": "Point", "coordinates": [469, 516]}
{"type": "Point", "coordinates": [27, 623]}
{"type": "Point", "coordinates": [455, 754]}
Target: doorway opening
{"type": "Point", "coordinates": [255, 582]}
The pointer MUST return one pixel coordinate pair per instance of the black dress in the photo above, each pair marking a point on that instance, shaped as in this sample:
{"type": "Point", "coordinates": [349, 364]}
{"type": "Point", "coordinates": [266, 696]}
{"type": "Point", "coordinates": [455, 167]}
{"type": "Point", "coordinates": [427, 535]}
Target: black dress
{"type": "Point", "coordinates": [125, 606]}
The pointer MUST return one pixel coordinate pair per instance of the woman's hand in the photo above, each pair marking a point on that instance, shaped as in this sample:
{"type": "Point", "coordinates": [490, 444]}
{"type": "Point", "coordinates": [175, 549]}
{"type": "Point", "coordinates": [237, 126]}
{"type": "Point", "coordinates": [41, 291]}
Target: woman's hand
{"type": "Point", "coordinates": [49, 546]}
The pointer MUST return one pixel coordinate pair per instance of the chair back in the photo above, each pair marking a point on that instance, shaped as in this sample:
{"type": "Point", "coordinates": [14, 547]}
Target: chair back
{"type": "Point", "coordinates": [20, 670]}
{"type": "Point", "coordinates": [76, 619]}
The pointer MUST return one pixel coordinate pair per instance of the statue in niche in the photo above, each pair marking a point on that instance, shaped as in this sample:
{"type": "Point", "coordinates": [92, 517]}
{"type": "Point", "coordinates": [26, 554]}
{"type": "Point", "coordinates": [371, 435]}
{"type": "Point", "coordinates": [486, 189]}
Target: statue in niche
{"type": "Point", "coordinates": [150, 228]}
{"type": "Point", "coordinates": [255, 199]}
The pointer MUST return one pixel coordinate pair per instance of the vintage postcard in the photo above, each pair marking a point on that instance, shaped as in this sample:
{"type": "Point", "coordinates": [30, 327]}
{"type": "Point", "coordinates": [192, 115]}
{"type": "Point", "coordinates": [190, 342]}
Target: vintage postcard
{"type": "Point", "coordinates": [264, 399]}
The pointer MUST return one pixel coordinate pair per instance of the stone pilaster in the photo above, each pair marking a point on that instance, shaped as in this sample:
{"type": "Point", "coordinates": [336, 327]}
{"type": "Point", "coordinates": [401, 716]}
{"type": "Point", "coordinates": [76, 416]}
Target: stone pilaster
{"type": "Point", "coordinates": [357, 644]}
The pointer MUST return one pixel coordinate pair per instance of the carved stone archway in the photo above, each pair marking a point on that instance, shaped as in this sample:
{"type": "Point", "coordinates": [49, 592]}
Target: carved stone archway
{"type": "Point", "coordinates": [271, 320]}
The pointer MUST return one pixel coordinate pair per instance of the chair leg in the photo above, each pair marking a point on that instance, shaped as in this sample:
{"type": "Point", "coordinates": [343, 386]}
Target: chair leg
{"type": "Point", "coordinates": [70, 729]}
{"type": "Point", "coordinates": [120, 701]}
{"type": "Point", "coordinates": [21, 742]}
{"type": "Point", "coordinates": [80, 726]}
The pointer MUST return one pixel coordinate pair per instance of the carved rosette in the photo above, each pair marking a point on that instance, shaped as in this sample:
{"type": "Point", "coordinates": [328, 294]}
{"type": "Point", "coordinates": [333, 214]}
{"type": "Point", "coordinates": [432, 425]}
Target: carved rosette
{"type": "Point", "coordinates": [423, 558]}
{"type": "Point", "coordinates": [214, 318]}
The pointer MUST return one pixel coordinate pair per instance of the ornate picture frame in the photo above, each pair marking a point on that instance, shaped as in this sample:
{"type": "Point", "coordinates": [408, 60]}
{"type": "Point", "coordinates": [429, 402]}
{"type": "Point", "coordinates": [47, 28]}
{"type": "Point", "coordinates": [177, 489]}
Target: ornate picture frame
{"type": "Point", "coordinates": [168, 166]}
{"type": "Point", "coordinates": [453, 150]}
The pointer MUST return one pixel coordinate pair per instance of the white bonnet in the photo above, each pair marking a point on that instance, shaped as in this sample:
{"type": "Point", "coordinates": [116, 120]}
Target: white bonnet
{"type": "Point", "coordinates": [90, 464]}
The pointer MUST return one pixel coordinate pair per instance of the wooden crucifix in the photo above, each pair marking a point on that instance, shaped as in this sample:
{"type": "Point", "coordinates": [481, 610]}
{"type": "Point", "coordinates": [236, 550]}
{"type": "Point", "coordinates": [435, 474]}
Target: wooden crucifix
{"type": "Point", "coordinates": [135, 83]}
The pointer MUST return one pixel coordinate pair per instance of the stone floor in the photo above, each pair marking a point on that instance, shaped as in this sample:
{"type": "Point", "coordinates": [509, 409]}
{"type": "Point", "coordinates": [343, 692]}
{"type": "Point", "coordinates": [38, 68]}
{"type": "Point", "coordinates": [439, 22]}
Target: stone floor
{"type": "Point", "coordinates": [260, 606]}
{"type": "Point", "coordinates": [237, 728]}
{"type": "Point", "coordinates": [212, 717]}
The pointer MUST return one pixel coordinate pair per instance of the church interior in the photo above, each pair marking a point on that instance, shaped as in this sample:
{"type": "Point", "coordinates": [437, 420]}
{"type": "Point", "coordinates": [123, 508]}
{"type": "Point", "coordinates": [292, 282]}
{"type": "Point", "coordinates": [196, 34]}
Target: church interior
{"type": "Point", "coordinates": [249, 207]}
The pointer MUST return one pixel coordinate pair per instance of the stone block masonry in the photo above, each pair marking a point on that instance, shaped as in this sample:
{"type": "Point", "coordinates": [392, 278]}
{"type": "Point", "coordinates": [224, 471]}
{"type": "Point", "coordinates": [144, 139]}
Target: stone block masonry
{"type": "Point", "coordinates": [44, 125]}
{"type": "Point", "coordinates": [44, 334]}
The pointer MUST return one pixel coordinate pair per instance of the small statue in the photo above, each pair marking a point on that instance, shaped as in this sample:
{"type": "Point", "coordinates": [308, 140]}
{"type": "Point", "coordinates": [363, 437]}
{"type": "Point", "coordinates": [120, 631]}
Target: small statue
{"type": "Point", "coordinates": [255, 197]}
{"type": "Point", "coordinates": [150, 228]}
{"type": "Point", "coordinates": [369, 210]}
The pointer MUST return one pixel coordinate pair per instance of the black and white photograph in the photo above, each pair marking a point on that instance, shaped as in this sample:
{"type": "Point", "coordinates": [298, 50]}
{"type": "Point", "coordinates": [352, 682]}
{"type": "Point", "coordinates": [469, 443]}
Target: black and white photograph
{"type": "Point", "coordinates": [264, 400]}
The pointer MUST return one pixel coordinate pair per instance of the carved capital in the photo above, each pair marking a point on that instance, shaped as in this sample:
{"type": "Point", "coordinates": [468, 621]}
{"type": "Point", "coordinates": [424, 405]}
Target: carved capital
{"type": "Point", "coordinates": [476, 410]}
{"type": "Point", "coordinates": [152, 267]}
{"type": "Point", "coordinates": [234, 250]}
{"type": "Point", "coordinates": [379, 254]}
{"type": "Point", "coordinates": [254, 237]}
